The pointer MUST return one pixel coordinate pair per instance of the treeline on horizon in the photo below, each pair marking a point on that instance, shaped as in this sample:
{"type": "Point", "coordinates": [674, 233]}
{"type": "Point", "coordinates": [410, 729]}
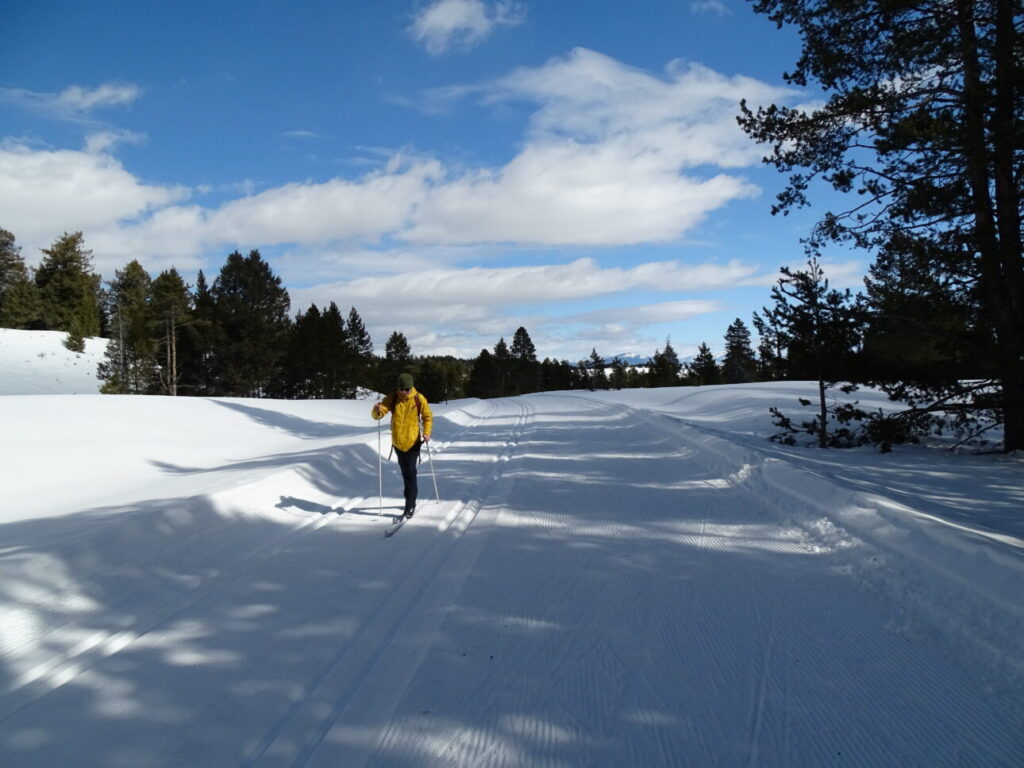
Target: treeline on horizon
{"type": "Point", "coordinates": [236, 338]}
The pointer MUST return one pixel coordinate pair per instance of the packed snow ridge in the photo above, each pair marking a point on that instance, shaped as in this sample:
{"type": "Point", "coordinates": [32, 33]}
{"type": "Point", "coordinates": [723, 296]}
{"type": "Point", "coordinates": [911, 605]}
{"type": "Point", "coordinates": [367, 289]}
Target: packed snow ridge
{"type": "Point", "coordinates": [633, 578]}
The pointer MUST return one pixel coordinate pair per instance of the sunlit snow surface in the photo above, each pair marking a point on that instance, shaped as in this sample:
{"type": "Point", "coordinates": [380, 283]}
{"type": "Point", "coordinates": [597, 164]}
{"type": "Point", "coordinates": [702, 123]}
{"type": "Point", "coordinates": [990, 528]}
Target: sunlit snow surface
{"type": "Point", "coordinates": [632, 578]}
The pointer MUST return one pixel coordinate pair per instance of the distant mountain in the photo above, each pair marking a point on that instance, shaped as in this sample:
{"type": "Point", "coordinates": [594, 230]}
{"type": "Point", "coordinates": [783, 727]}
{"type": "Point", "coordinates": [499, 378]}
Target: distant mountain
{"type": "Point", "coordinates": [630, 359]}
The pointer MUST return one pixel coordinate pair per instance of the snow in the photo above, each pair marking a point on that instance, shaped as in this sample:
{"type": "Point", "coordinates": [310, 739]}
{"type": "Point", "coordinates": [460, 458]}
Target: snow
{"type": "Point", "coordinates": [38, 363]}
{"type": "Point", "coordinates": [632, 578]}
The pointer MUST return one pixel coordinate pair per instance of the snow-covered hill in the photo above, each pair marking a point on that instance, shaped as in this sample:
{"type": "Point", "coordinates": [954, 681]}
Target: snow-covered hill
{"type": "Point", "coordinates": [38, 363]}
{"type": "Point", "coordinates": [631, 578]}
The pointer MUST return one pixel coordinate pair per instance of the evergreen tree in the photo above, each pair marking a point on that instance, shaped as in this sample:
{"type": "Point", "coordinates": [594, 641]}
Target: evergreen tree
{"type": "Point", "coordinates": [483, 377]}
{"type": "Point", "coordinates": [397, 349]}
{"type": "Point", "coordinates": [19, 299]}
{"type": "Point", "coordinates": [251, 315]}
{"type": "Point", "coordinates": [819, 329]}
{"type": "Point", "coordinates": [502, 367]}
{"type": "Point", "coordinates": [524, 359]}
{"type": "Point", "coordinates": [304, 377]}
{"type": "Point", "coordinates": [582, 376]}
{"type": "Point", "coordinates": [69, 290]}
{"type": "Point", "coordinates": [522, 346]}
{"type": "Point", "coordinates": [739, 364]}
{"type": "Point", "coordinates": [618, 379]}
{"type": "Point", "coordinates": [923, 123]}
{"type": "Point", "coordinates": [170, 311]}
{"type": "Point", "coordinates": [556, 375]}
{"type": "Point", "coordinates": [771, 361]}
{"type": "Point", "coordinates": [596, 366]}
{"type": "Point", "coordinates": [129, 364]}
{"type": "Point", "coordinates": [335, 356]}
{"type": "Point", "coordinates": [704, 368]}
{"type": "Point", "coordinates": [430, 379]}
{"type": "Point", "coordinates": [198, 343]}
{"type": "Point", "coordinates": [397, 360]}
{"type": "Point", "coordinates": [360, 350]}
{"type": "Point", "coordinates": [664, 367]}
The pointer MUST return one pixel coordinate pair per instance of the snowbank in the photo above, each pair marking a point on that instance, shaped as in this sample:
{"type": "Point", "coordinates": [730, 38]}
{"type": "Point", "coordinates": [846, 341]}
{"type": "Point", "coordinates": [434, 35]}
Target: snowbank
{"type": "Point", "coordinates": [38, 363]}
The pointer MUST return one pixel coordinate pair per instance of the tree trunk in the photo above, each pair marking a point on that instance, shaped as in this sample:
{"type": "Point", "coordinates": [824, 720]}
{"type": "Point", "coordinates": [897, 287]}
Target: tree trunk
{"type": "Point", "coordinates": [822, 414]}
{"type": "Point", "coordinates": [997, 237]}
{"type": "Point", "coordinates": [1010, 310]}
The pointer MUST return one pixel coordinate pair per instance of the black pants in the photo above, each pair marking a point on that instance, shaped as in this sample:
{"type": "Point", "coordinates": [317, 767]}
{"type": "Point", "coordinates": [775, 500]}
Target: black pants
{"type": "Point", "coordinates": [408, 460]}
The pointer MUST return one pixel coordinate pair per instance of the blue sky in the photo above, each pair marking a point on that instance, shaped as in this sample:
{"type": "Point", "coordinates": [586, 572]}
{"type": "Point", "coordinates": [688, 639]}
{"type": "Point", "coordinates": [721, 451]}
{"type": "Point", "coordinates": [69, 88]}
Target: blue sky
{"type": "Point", "coordinates": [454, 169]}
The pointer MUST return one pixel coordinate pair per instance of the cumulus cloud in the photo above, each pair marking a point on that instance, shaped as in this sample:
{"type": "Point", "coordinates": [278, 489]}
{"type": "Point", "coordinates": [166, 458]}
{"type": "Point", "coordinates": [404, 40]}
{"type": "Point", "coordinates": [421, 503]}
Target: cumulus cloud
{"type": "Point", "coordinates": [445, 25]}
{"type": "Point", "coordinates": [380, 202]}
{"type": "Point", "coordinates": [46, 192]}
{"type": "Point", "coordinates": [612, 155]}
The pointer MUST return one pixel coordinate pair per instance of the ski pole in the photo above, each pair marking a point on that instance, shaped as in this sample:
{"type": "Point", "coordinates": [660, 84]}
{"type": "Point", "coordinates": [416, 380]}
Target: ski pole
{"type": "Point", "coordinates": [430, 457]}
{"type": "Point", "coordinates": [380, 475]}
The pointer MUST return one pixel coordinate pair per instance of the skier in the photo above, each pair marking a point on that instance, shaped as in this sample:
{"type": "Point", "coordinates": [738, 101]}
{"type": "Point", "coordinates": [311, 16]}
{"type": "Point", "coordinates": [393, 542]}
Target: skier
{"type": "Point", "coordinates": [408, 408]}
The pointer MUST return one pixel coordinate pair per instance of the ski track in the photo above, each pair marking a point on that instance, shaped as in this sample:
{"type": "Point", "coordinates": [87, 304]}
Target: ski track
{"type": "Point", "coordinates": [650, 610]}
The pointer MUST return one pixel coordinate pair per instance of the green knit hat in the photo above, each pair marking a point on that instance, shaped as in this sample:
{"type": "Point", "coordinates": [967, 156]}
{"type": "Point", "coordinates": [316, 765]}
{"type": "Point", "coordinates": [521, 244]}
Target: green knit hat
{"type": "Point", "coordinates": [405, 381]}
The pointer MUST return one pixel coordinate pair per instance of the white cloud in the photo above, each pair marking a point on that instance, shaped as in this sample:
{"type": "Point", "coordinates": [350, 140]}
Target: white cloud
{"type": "Point", "coordinates": [78, 99]}
{"type": "Point", "coordinates": [716, 7]}
{"type": "Point", "coordinates": [649, 314]}
{"type": "Point", "coordinates": [475, 306]}
{"type": "Point", "coordinates": [105, 141]}
{"type": "Point", "coordinates": [378, 203]}
{"type": "Point", "coordinates": [299, 134]}
{"type": "Point", "coordinates": [74, 103]}
{"type": "Point", "coordinates": [44, 193]}
{"type": "Point", "coordinates": [612, 155]}
{"type": "Point", "coordinates": [460, 24]}
{"type": "Point", "coordinates": [509, 286]}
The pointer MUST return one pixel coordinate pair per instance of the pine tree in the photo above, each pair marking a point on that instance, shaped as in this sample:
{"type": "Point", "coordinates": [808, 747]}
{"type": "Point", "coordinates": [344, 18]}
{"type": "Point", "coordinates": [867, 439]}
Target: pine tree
{"type": "Point", "coordinates": [664, 367]}
{"type": "Point", "coordinates": [923, 124]}
{"type": "Point", "coordinates": [596, 366]}
{"type": "Point", "coordinates": [398, 359]}
{"type": "Point", "coordinates": [526, 369]}
{"type": "Point", "coordinates": [483, 377]}
{"type": "Point", "coordinates": [771, 361]}
{"type": "Point", "coordinates": [335, 356]}
{"type": "Point", "coordinates": [360, 349]}
{"type": "Point", "coordinates": [69, 290]}
{"type": "Point", "coordinates": [170, 311]}
{"type": "Point", "coordinates": [303, 372]}
{"type": "Point", "coordinates": [198, 343]}
{"type": "Point", "coordinates": [704, 368]}
{"type": "Point", "coordinates": [619, 378]}
{"type": "Point", "coordinates": [556, 375]}
{"type": "Point", "coordinates": [818, 328]}
{"type": "Point", "coordinates": [251, 315]}
{"type": "Point", "coordinates": [129, 364]}
{"type": "Point", "coordinates": [502, 367]}
{"type": "Point", "coordinates": [739, 364]}
{"type": "Point", "coordinates": [19, 299]}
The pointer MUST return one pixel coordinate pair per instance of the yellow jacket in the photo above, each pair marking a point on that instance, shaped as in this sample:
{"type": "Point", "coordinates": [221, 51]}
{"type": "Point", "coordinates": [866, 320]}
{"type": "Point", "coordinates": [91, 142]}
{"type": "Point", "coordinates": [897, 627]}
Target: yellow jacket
{"type": "Point", "coordinates": [405, 417]}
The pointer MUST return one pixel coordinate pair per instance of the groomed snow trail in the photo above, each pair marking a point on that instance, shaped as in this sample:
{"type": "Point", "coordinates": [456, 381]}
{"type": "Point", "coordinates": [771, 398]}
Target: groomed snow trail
{"type": "Point", "coordinates": [591, 590]}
